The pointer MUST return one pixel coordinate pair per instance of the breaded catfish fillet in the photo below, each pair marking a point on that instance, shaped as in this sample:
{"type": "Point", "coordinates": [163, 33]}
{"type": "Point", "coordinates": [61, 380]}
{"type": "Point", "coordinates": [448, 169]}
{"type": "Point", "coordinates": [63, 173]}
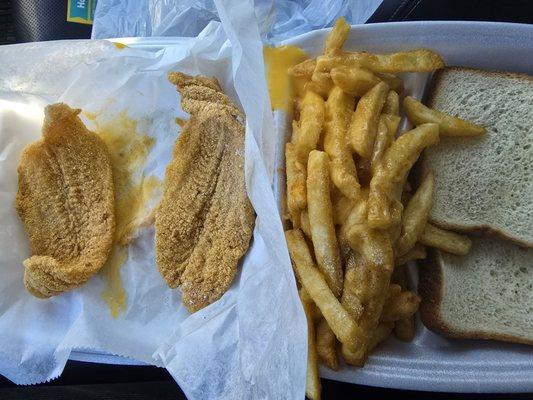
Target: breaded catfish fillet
{"type": "Point", "coordinates": [204, 221]}
{"type": "Point", "coordinates": [65, 201]}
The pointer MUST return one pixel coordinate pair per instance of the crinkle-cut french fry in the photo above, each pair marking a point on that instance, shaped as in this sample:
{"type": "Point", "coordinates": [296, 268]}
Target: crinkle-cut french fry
{"type": "Point", "coordinates": [415, 215]}
{"type": "Point", "coordinates": [418, 252]}
{"type": "Point", "coordinates": [326, 345]}
{"type": "Point", "coordinates": [392, 104]}
{"type": "Point", "coordinates": [311, 123]}
{"type": "Point", "coordinates": [313, 387]}
{"type": "Point", "coordinates": [419, 60]}
{"type": "Point", "coordinates": [339, 108]}
{"type": "Point", "coordinates": [296, 185]}
{"type": "Point", "coordinates": [364, 123]}
{"type": "Point", "coordinates": [449, 125]}
{"type": "Point", "coordinates": [400, 306]}
{"type": "Point", "coordinates": [444, 240]}
{"type": "Point", "coordinates": [393, 169]}
{"type": "Point", "coordinates": [339, 320]}
{"type": "Point", "coordinates": [338, 35]}
{"type": "Point", "coordinates": [320, 212]}
{"type": "Point", "coordinates": [354, 81]}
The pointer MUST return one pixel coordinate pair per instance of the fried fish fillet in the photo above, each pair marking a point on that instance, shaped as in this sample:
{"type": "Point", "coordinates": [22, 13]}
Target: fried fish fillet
{"type": "Point", "coordinates": [204, 221]}
{"type": "Point", "coordinates": [65, 200]}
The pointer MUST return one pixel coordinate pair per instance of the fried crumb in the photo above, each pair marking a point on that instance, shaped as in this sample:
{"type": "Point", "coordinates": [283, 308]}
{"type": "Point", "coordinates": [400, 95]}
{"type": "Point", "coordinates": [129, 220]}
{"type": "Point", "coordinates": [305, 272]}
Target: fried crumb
{"type": "Point", "coordinates": [204, 222]}
{"type": "Point", "coordinates": [65, 200]}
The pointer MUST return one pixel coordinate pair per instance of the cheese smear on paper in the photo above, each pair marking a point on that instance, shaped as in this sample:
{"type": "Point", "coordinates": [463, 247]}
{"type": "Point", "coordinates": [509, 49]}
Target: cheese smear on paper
{"type": "Point", "coordinates": [128, 151]}
{"type": "Point", "coordinates": [278, 60]}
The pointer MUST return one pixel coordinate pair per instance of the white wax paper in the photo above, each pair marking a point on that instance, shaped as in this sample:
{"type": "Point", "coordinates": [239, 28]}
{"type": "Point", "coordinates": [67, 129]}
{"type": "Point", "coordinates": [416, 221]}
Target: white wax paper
{"type": "Point", "coordinates": [430, 362]}
{"type": "Point", "coordinates": [249, 344]}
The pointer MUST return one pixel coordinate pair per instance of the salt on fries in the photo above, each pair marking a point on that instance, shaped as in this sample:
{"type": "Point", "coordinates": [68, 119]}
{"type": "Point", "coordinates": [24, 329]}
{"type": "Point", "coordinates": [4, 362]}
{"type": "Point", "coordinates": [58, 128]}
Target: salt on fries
{"type": "Point", "coordinates": [415, 215]}
{"type": "Point", "coordinates": [320, 213]}
{"type": "Point", "coordinates": [448, 125]}
{"type": "Point", "coordinates": [364, 124]}
{"type": "Point", "coordinates": [326, 345]}
{"type": "Point", "coordinates": [312, 382]}
{"type": "Point", "coordinates": [393, 169]}
{"type": "Point", "coordinates": [296, 184]}
{"type": "Point", "coordinates": [312, 280]}
{"type": "Point", "coordinates": [347, 191]}
{"type": "Point", "coordinates": [404, 329]}
{"type": "Point", "coordinates": [420, 60]}
{"type": "Point", "coordinates": [339, 108]}
{"type": "Point", "coordinates": [444, 240]}
{"type": "Point", "coordinates": [354, 81]}
{"type": "Point", "coordinates": [311, 124]}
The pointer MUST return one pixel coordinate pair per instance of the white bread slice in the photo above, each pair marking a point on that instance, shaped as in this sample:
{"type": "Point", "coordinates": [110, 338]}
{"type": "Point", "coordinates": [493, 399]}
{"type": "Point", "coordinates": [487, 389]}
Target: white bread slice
{"type": "Point", "coordinates": [484, 183]}
{"type": "Point", "coordinates": [487, 294]}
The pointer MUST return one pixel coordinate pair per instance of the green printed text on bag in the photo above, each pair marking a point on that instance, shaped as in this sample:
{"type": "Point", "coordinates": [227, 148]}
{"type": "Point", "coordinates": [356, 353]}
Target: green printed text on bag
{"type": "Point", "coordinates": [81, 11]}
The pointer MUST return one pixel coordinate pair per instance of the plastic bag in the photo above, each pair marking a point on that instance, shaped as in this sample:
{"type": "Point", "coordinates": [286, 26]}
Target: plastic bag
{"type": "Point", "coordinates": [277, 19]}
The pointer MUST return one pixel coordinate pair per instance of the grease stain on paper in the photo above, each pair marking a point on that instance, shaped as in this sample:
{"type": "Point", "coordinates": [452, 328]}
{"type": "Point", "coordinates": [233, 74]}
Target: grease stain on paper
{"type": "Point", "coordinates": [128, 151]}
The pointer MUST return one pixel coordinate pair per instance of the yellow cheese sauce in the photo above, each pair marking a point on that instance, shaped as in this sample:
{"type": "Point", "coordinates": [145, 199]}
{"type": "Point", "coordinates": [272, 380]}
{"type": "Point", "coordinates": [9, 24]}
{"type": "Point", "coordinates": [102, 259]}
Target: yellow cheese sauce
{"type": "Point", "coordinates": [128, 151]}
{"type": "Point", "coordinates": [90, 115]}
{"type": "Point", "coordinates": [114, 294]}
{"type": "Point", "coordinates": [278, 60]}
{"type": "Point", "coordinates": [119, 45]}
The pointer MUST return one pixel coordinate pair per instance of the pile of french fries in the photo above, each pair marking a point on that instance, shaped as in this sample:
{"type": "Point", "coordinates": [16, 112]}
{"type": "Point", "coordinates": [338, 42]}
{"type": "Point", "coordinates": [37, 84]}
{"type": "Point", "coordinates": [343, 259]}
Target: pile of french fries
{"type": "Point", "coordinates": [355, 220]}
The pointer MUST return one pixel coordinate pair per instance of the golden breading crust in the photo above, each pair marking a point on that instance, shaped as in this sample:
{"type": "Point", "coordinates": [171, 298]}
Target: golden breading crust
{"type": "Point", "coordinates": [204, 221]}
{"type": "Point", "coordinates": [65, 200]}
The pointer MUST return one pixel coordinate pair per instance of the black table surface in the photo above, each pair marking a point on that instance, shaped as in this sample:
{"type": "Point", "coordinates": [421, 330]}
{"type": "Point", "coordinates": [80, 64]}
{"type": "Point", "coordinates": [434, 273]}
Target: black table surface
{"type": "Point", "coordinates": [100, 381]}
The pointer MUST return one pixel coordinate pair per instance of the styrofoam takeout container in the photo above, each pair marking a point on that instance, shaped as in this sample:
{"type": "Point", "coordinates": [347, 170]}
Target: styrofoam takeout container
{"type": "Point", "coordinates": [430, 362]}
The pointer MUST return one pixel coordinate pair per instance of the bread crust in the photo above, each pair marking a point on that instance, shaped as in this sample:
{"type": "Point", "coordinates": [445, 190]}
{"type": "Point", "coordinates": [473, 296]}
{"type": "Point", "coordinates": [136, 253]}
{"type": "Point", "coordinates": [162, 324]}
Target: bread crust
{"type": "Point", "coordinates": [430, 289]}
{"type": "Point", "coordinates": [474, 228]}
